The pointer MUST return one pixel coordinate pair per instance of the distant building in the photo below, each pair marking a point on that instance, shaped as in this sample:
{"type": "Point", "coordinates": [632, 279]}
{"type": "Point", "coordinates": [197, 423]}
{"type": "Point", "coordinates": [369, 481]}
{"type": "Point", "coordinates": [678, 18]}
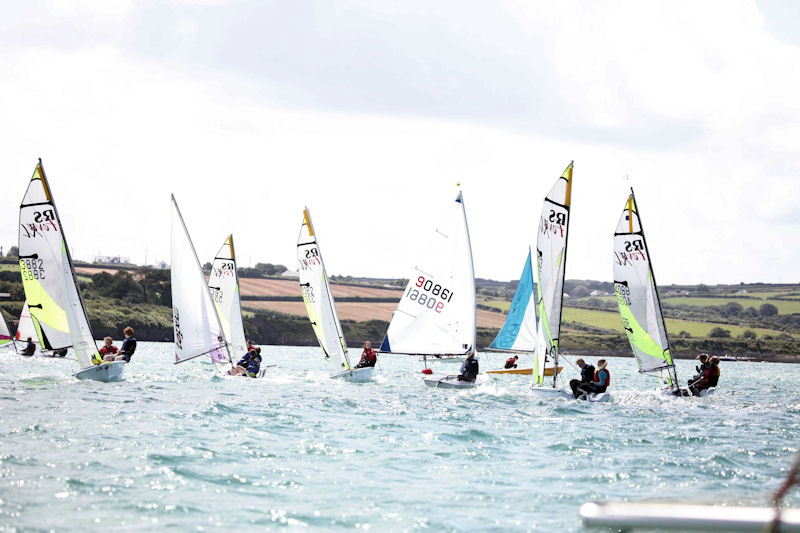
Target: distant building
{"type": "Point", "coordinates": [161, 265]}
{"type": "Point", "coordinates": [292, 274]}
{"type": "Point", "coordinates": [112, 260]}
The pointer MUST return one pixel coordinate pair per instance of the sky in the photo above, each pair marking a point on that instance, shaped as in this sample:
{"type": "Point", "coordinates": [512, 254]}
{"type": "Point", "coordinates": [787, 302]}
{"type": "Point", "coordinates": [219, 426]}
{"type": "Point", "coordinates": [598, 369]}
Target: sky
{"type": "Point", "coordinates": [370, 113]}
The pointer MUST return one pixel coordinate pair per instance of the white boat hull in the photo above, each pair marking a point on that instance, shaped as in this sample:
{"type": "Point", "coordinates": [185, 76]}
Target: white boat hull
{"type": "Point", "coordinates": [105, 372]}
{"type": "Point", "coordinates": [356, 374]}
{"type": "Point", "coordinates": [450, 382]}
{"type": "Point", "coordinates": [683, 517]}
{"type": "Point", "coordinates": [557, 392]}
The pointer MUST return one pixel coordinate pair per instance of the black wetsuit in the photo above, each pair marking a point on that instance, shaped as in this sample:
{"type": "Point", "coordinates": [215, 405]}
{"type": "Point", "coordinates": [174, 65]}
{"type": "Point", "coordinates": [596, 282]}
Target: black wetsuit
{"type": "Point", "coordinates": [28, 350]}
{"type": "Point", "coordinates": [469, 370]}
{"type": "Point", "coordinates": [128, 347]}
{"type": "Point", "coordinates": [587, 376]}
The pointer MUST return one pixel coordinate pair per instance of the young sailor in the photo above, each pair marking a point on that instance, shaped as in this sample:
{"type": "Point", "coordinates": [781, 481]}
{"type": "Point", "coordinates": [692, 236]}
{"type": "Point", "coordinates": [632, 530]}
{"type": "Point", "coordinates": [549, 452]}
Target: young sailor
{"type": "Point", "coordinates": [701, 370]}
{"type": "Point", "coordinates": [602, 379]}
{"type": "Point", "coordinates": [511, 362]}
{"type": "Point", "coordinates": [709, 379]}
{"type": "Point", "coordinates": [107, 352]}
{"type": "Point", "coordinates": [587, 376]}
{"type": "Point", "coordinates": [469, 369]}
{"type": "Point", "coordinates": [128, 346]}
{"type": "Point", "coordinates": [29, 348]}
{"type": "Point", "coordinates": [368, 356]}
{"type": "Point", "coordinates": [249, 365]}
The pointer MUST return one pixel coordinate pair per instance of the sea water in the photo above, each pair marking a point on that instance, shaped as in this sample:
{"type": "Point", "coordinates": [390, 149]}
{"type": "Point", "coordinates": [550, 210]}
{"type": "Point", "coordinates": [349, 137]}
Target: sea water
{"type": "Point", "coordinates": [178, 447]}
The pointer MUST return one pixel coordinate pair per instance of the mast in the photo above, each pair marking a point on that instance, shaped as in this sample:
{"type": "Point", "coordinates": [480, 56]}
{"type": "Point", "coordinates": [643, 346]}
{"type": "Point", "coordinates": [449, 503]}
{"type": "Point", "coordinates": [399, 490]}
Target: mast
{"type": "Point", "coordinates": [672, 371]}
{"type": "Point", "coordinates": [472, 264]}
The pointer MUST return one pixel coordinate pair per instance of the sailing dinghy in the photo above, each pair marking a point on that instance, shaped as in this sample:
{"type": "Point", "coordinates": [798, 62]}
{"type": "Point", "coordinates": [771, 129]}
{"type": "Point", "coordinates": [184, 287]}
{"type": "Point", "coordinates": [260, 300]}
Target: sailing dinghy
{"type": "Point", "coordinates": [51, 285]}
{"type": "Point", "coordinates": [639, 305]}
{"type": "Point", "coordinates": [551, 260]}
{"type": "Point", "coordinates": [436, 315]}
{"type": "Point", "coordinates": [518, 334]}
{"type": "Point", "coordinates": [223, 282]}
{"type": "Point", "coordinates": [25, 327]}
{"type": "Point", "coordinates": [6, 340]}
{"type": "Point", "coordinates": [196, 325]}
{"type": "Point", "coordinates": [320, 305]}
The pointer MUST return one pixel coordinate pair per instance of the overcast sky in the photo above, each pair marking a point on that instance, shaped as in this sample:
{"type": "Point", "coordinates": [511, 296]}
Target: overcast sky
{"type": "Point", "coordinates": [370, 112]}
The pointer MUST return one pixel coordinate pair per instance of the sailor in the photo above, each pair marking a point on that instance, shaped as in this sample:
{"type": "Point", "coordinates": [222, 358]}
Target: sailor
{"type": "Point", "coordinates": [29, 348]}
{"type": "Point", "coordinates": [128, 347]}
{"type": "Point", "coordinates": [709, 379]}
{"type": "Point", "coordinates": [602, 379]}
{"type": "Point", "coordinates": [701, 370]}
{"type": "Point", "coordinates": [249, 365]}
{"type": "Point", "coordinates": [368, 356]}
{"type": "Point", "coordinates": [587, 376]}
{"type": "Point", "coordinates": [469, 369]}
{"type": "Point", "coordinates": [107, 352]}
{"type": "Point", "coordinates": [511, 362]}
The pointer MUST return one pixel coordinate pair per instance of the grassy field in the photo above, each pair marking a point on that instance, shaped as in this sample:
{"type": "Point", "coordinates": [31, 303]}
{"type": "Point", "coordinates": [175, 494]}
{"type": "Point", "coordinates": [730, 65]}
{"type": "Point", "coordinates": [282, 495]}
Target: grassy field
{"type": "Point", "coordinates": [785, 307]}
{"type": "Point", "coordinates": [611, 321]}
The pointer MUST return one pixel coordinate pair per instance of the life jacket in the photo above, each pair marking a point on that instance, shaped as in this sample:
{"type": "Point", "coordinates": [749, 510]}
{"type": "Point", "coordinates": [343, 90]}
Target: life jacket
{"type": "Point", "coordinates": [510, 362]}
{"type": "Point", "coordinates": [608, 377]}
{"type": "Point", "coordinates": [712, 376]}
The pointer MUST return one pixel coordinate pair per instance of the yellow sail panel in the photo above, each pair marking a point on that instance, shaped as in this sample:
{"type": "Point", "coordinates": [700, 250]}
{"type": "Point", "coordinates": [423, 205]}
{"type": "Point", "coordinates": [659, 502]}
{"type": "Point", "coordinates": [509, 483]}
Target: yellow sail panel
{"type": "Point", "coordinates": [41, 305]}
{"type": "Point", "coordinates": [567, 175]}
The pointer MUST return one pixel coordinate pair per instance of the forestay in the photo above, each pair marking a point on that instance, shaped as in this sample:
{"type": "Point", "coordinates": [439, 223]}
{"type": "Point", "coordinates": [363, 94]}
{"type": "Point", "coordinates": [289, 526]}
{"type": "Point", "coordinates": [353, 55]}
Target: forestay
{"type": "Point", "coordinates": [436, 314]}
{"type": "Point", "coordinates": [317, 294]}
{"type": "Point", "coordinates": [519, 330]}
{"type": "Point", "coordinates": [224, 286]}
{"type": "Point", "coordinates": [551, 257]}
{"type": "Point", "coordinates": [196, 326]}
{"type": "Point", "coordinates": [48, 277]}
{"type": "Point", "coordinates": [637, 296]}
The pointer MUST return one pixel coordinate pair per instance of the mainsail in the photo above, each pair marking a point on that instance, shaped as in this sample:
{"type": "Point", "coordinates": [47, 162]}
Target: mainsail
{"type": "Point", "coordinates": [518, 333]}
{"type": "Point", "coordinates": [551, 259]}
{"type": "Point", "coordinates": [196, 325]}
{"type": "Point", "coordinates": [224, 286]}
{"type": "Point", "coordinates": [5, 333]}
{"type": "Point", "coordinates": [25, 327]}
{"type": "Point", "coordinates": [317, 294]}
{"type": "Point", "coordinates": [436, 314]}
{"type": "Point", "coordinates": [48, 277]}
{"type": "Point", "coordinates": [637, 296]}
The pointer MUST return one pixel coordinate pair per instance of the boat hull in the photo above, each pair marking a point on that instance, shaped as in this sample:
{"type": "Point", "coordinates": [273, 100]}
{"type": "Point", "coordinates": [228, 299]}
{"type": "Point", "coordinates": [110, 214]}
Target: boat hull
{"type": "Point", "coordinates": [105, 372]}
{"type": "Point", "coordinates": [356, 375]}
{"type": "Point", "coordinates": [524, 371]}
{"type": "Point", "coordinates": [564, 393]}
{"type": "Point", "coordinates": [449, 382]}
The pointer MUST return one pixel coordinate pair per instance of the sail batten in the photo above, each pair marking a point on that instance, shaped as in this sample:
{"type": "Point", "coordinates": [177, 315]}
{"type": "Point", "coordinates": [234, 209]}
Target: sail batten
{"type": "Point", "coordinates": [437, 312]}
{"type": "Point", "coordinates": [637, 298]}
{"type": "Point", "coordinates": [317, 294]}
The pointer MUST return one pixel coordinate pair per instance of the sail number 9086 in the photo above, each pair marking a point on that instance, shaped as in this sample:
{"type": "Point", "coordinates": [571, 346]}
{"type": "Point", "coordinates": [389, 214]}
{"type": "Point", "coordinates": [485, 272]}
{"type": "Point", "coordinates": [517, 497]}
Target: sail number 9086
{"type": "Point", "coordinates": [435, 299]}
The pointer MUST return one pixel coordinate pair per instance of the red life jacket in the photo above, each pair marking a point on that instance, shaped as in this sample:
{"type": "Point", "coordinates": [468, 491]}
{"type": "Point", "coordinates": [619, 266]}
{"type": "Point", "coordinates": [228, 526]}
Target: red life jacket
{"type": "Point", "coordinates": [608, 381]}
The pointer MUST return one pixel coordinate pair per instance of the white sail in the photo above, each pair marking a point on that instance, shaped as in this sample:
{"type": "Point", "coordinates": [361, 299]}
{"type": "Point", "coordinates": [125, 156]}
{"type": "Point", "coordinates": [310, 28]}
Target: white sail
{"type": "Point", "coordinates": [518, 333]}
{"type": "Point", "coordinates": [196, 326]}
{"type": "Point", "coordinates": [551, 258]}
{"type": "Point", "coordinates": [223, 283]}
{"type": "Point", "coordinates": [436, 314]}
{"type": "Point", "coordinates": [317, 294]}
{"type": "Point", "coordinates": [5, 332]}
{"type": "Point", "coordinates": [48, 277]}
{"type": "Point", "coordinates": [25, 327]}
{"type": "Point", "coordinates": [637, 297]}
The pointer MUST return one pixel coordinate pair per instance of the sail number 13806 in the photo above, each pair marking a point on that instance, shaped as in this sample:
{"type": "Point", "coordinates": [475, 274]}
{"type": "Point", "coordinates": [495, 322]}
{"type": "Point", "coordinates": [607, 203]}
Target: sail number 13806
{"type": "Point", "coordinates": [429, 294]}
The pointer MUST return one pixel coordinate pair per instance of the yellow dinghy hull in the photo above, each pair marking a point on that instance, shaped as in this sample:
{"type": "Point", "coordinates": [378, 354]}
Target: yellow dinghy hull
{"type": "Point", "coordinates": [548, 371]}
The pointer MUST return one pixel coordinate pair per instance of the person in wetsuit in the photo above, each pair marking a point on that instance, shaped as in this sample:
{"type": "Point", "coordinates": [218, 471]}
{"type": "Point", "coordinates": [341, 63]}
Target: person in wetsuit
{"type": "Point", "coordinates": [511, 362]}
{"type": "Point", "coordinates": [368, 356]}
{"type": "Point", "coordinates": [587, 376]}
{"type": "Point", "coordinates": [128, 347]}
{"type": "Point", "coordinates": [602, 379]}
{"type": "Point", "coordinates": [701, 370]}
{"type": "Point", "coordinates": [29, 348]}
{"type": "Point", "coordinates": [707, 380]}
{"type": "Point", "coordinates": [249, 365]}
{"type": "Point", "coordinates": [469, 369]}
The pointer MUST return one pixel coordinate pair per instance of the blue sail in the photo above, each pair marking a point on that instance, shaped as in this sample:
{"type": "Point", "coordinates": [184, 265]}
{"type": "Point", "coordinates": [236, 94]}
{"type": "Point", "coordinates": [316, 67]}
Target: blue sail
{"type": "Point", "coordinates": [519, 330]}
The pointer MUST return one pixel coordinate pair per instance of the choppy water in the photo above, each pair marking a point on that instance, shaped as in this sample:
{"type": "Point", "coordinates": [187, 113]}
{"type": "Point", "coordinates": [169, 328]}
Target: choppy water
{"type": "Point", "coordinates": [176, 447]}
